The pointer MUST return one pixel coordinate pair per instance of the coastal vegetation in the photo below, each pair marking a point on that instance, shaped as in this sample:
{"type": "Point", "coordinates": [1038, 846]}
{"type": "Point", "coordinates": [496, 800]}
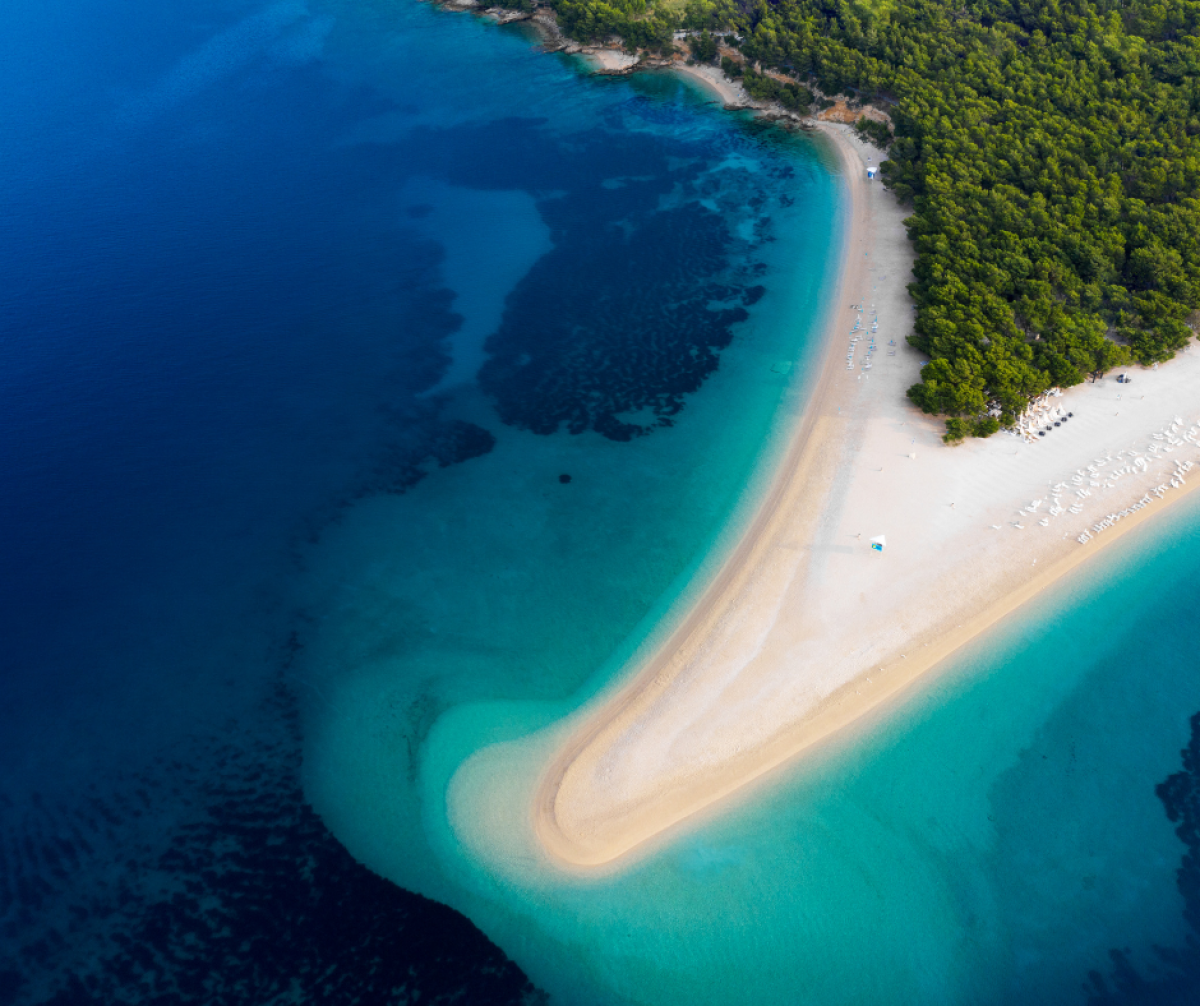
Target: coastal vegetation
{"type": "Point", "coordinates": [1050, 150]}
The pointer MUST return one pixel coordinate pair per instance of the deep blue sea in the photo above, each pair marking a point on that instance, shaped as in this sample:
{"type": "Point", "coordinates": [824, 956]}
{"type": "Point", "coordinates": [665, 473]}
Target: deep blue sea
{"type": "Point", "coordinates": [373, 384]}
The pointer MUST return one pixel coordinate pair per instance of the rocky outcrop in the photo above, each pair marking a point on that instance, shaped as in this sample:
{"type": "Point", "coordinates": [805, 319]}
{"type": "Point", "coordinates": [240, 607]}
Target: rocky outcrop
{"type": "Point", "coordinates": [502, 15]}
{"type": "Point", "coordinates": [611, 61]}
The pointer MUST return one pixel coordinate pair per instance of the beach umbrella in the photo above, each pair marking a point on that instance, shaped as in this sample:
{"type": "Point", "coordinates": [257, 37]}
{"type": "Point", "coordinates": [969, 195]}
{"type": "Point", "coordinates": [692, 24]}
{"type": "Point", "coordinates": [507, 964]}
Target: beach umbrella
{"type": "Point", "coordinates": [878, 543]}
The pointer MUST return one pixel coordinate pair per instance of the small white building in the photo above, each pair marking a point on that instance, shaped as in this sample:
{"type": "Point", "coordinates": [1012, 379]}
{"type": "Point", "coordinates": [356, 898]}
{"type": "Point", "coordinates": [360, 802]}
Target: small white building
{"type": "Point", "coordinates": [871, 171]}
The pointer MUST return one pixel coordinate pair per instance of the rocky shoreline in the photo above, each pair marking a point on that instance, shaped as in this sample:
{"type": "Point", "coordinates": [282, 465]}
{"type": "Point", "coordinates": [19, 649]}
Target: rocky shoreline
{"type": "Point", "coordinates": [614, 61]}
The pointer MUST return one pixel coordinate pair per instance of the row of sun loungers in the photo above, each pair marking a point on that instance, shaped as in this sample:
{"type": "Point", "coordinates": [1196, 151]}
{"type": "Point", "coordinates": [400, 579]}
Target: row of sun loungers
{"type": "Point", "coordinates": [1070, 495]}
{"type": "Point", "coordinates": [857, 333]}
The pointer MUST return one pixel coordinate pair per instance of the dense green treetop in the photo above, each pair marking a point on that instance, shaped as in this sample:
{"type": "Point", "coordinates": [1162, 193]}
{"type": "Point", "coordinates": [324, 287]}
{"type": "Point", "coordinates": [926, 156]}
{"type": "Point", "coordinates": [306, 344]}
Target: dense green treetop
{"type": "Point", "coordinates": [1051, 153]}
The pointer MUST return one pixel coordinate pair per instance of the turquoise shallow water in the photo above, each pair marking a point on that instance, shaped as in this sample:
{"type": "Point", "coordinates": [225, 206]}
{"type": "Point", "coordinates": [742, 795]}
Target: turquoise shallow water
{"type": "Point", "coordinates": [498, 581]}
{"type": "Point", "coordinates": [302, 303]}
{"type": "Point", "coordinates": [990, 839]}
{"type": "Point", "coordinates": [360, 352]}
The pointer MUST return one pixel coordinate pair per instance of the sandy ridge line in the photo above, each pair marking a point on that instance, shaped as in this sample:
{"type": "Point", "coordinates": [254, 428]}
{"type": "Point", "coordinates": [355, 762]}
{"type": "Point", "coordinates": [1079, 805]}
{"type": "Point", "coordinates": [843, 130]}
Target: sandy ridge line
{"type": "Point", "coordinates": [588, 810]}
{"type": "Point", "coordinates": [818, 467]}
{"type": "Point", "coordinates": [840, 711]}
{"type": "Point", "coordinates": [815, 447]}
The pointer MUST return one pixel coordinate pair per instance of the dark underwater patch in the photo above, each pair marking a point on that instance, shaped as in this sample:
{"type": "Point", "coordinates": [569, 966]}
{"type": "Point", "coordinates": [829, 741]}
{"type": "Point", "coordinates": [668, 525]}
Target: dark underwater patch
{"type": "Point", "coordinates": [415, 433]}
{"type": "Point", "coordinates": [579, 345]}
{"type": "Point", "coordinates": [629, 311]}
{"type": "Point", "coordinates": [1177, 982]}
{"type": "Point", "coordinates": [237, 894]}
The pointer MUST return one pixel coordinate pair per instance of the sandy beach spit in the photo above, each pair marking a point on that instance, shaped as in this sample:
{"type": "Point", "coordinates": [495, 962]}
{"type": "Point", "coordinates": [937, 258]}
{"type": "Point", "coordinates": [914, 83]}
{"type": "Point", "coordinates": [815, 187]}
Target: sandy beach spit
{"type": "Point", "coordinates": [806, 626]}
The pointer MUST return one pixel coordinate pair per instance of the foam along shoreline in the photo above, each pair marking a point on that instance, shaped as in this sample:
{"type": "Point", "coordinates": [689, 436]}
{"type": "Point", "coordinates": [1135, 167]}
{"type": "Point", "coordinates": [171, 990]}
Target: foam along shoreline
{"type": "Point", "coordinates": [805, 627]}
